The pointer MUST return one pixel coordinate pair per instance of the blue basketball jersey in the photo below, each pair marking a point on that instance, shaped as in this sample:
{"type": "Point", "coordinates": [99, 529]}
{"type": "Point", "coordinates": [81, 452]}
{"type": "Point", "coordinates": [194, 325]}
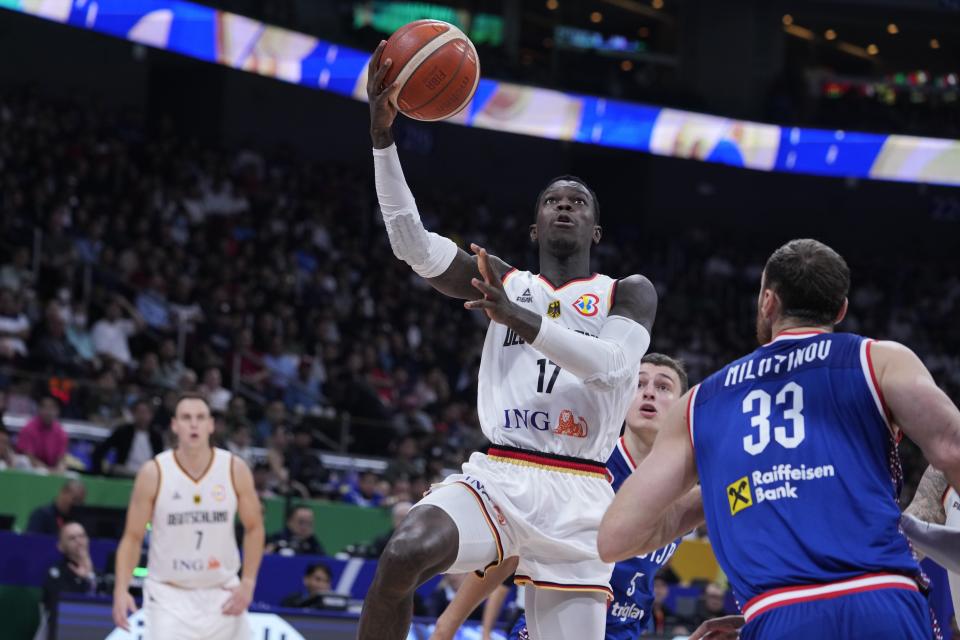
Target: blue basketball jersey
{"type": "Point", "coordinates": [632, 581]}
{"type": "Point", "coordinates": [799, 470]}
{"type": "Point", "coordinates": [628, 615]}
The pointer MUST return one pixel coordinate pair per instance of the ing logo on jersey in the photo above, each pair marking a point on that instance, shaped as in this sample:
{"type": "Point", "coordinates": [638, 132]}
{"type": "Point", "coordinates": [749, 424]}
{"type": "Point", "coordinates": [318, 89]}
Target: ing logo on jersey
{"type": "Point", "coordinates": [553, 309]}
{"type": "Point", "coordinates": [587, 305]}
{"type": "Point", "coordinates": [739, 495]}
{"type": "Point", "coordinates": [213, 563]}
{"type": "Point", "coordinates": [570, 426]}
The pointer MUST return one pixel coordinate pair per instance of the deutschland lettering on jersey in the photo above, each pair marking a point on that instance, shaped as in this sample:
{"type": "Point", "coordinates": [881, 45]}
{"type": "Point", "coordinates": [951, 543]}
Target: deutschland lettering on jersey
{"type": "Point", "coordinates": [197, 517]}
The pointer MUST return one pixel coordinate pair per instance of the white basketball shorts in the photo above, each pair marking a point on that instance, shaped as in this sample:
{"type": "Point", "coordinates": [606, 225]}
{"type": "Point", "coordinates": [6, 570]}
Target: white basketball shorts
{"type": "Point", "coordinates": [544, 509]}
{"type": "Point", "coordinates": [191, 614]}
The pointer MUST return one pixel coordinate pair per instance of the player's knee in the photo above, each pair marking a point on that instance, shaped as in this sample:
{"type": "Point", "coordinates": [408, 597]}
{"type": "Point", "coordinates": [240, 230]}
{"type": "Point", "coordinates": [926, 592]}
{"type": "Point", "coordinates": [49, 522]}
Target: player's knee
{"type": "Point", "coordinates": [419, 545]}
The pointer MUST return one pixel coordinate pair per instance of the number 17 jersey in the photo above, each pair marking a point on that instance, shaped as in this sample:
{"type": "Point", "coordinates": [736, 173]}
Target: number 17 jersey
{"type": "Point", "coordinates": [525, 400]}
{"type": "Point", "coordinates": [799, 468]}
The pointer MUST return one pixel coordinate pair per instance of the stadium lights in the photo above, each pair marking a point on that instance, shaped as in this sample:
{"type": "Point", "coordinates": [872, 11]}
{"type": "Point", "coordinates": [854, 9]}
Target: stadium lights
{"type": "Point", "coordinates": [787, 20]}
{"type": "Point", "coordinates": [596, 17]}
{"type": "Point", "coordinates": [830, 34]}
{"type": "Point", "coordinates": [799, 32]}
{"type": "Point", "coordinates": [934, 43]}
{"type": "Point", "coordinates": [892, 29]}
{"type": "Point", "coordinates": [552, 4]}
{"type": "Point", "coordinates": [852, 50]}
{"type": "Point", "coordinates": [872, 49]}
{"type": "Point", "coordinates": [657, 4]}
{"type": "Point", "coordinates": [626, 65]}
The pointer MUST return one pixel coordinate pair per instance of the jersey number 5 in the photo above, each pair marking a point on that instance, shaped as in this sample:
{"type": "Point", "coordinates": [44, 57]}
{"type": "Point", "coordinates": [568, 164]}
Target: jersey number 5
{"type": "Point", "coordinates": [792, 393]}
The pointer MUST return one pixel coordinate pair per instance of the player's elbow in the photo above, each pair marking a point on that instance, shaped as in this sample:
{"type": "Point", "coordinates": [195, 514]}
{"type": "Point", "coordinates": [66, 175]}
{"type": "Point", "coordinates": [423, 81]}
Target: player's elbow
{"type": "Point", "coordinates": [945, 455]}
{"type": "Point", "coordinates": [610, 372]}
{"type": "Point", "coordinates": [606, 547]}
{"type": "Point", "coordinates": [612, 542]}
{"type": "Point", "coordinates": [133, 538]}
{"type": "Point", "coordinates": [253, 527]}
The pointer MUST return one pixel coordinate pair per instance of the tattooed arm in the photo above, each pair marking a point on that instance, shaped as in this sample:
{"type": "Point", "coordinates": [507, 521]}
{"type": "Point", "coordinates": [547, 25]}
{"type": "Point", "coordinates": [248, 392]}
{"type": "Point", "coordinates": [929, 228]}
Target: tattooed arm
{"type": "Point", "coordinates": [927, 503]}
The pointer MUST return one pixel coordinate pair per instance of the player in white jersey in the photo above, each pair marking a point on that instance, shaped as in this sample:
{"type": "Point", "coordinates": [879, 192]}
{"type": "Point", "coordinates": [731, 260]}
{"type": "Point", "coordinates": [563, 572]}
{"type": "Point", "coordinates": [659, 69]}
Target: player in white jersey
{"type": "Point", "coordinates": [557, 374]}
{"type": "Point", "coordinates": [190, 496]}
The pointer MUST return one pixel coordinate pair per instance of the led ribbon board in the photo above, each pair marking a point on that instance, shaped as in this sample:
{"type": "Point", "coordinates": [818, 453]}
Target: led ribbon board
{"type": "Point", "coordinates": [236, 41]}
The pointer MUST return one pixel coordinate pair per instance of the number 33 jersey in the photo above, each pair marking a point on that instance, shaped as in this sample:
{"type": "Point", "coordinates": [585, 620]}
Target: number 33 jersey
{"type": "Point", "coordinates": [525, 400]}
{"type": "Point", "coordinates": [192, 539]}
{"type": "Point", "coordinates": [798, 466]}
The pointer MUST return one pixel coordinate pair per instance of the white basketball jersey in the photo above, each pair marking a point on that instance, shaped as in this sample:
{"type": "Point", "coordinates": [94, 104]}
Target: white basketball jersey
{"type": "Point", "coordinates": [192, 540]}
{"type": "Point", "coordinates": [525, 400]}
{"type": "Point", "coordinates": [951, 506]}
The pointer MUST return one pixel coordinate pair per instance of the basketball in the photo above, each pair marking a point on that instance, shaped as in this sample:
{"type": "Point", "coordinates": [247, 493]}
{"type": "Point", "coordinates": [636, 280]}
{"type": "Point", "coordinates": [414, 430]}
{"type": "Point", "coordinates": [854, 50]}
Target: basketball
{"type": "Point", "coordinates": [437, 67]}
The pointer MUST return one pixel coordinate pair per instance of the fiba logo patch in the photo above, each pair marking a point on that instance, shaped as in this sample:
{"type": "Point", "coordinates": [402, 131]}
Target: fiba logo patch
{"type": "Point", "coordinates": [738, 495]}
{"type": "Point", "coordinates": [218, 492]}
{"type": "Point", "coordinates": [553, 309]}
{"type": "Point", "coordinates": [587, 305]}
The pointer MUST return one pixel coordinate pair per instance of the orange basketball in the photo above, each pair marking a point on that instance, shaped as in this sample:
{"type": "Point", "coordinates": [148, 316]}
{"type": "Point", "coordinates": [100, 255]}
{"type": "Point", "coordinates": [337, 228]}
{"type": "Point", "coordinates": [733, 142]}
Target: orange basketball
{"type": "Point", "coordinates": [437, 67]}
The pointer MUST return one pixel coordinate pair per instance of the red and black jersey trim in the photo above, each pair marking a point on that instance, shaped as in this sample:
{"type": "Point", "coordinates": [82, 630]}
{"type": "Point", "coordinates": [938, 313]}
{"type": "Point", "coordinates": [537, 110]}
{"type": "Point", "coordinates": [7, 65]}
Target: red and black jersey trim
{"type": "Point", "coordinates": [553, 460]}
{"type": "Point", "coordinates": [557, 287]}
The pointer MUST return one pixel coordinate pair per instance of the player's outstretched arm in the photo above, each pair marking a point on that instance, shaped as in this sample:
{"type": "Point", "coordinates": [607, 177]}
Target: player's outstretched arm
{"type": "Point", "coordinates": [633, 524]}
{"type": "Point", "coordinates": [679, 519]}
{"type": "Point", "coordinates": [145, 488]}
{"type": "Point", "coordinates": [918, 406]}
{"type": "Point", "coordinates": [251, 517]}
{"type": "Point", "coordinates": [471, 593]}
{"type": "Point", "coordinates": [434, 257]}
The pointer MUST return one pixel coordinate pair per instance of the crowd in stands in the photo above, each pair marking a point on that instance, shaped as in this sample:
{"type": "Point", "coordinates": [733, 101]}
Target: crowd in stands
{"type": "Point", "coordinates": [138, 266]}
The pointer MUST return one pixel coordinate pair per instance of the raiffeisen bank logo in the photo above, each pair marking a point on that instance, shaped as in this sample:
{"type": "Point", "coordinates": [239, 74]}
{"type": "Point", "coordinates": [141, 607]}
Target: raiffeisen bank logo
{"type": "Point", "coordinates": [781, 482]}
